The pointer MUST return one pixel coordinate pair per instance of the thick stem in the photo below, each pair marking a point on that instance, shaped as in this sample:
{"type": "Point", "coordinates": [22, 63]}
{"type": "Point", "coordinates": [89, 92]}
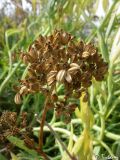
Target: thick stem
{"type": "Point", "coordinates": [43, 154]}
{"type": "Point", "coordinates": [40, 151]}
{"type": "Point", "coordinates": [42, 124]}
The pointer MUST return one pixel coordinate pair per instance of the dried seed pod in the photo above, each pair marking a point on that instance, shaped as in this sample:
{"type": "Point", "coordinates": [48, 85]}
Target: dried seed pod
{"type": "Point", "coordinates": [85, 54]}
{"type": "Point", "coordinates": [68, 77]}
{"type": "Point", "coordinates": [72, 65]}
{"type": "Point", "coordinates": [23, 90]}
{"type": "Point", "coordinates": [61, 75]}
{"type": "Point", "coordinates": [17, 98]}
{"type": "Point", "coordinates": [73, 70]}
{"type": "Point", "coordinates": [51, 78]}
{"type": "Point", "coordinates": [51, 73]}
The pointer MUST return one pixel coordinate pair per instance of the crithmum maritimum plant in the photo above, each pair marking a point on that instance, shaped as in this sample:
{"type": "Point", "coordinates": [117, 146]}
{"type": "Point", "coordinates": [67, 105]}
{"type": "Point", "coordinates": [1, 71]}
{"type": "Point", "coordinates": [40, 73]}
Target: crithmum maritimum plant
{"type": "Point", "coordinates": [61, 59]}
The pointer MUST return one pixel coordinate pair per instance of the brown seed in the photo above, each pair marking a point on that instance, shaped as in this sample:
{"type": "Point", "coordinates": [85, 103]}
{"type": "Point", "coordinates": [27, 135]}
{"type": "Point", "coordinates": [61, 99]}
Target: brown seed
{"type": "Point", "coordinates": [73, 70]}
{"type": "Point", "coordinates": [74, 65]}
{"type": "Point", "coordinates": [17, 99]}
{"type": "Point", "coordinates": [85, 54]}
{"type": "Point", "coordinates": [68, 77]}
{"type": "Point", "coordinates": [51, 78]}
{"type": "Point", "coordinates": [51, 82]}
{"type": "Point", "coordinates": [61, 75]}
{"type": "Point", "coordinates": [23, 90]}
{"type": "Point", "coordinates": [51, 73]}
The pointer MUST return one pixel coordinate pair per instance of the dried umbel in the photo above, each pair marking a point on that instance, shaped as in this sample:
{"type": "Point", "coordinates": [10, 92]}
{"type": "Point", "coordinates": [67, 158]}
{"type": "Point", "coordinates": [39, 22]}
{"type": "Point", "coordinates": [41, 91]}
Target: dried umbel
{"type": "Point", "coordinates": [9, 126]}
{"type": "Point", "coordinates": [61, 59]}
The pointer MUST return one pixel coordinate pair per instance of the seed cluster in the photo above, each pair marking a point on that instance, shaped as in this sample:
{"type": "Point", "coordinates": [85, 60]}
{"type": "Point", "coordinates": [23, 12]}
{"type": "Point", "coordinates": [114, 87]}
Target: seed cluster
{"type": "Point", "coordinates": [9, 126]}
{"type": "Point", "coordinates": [61, 59]}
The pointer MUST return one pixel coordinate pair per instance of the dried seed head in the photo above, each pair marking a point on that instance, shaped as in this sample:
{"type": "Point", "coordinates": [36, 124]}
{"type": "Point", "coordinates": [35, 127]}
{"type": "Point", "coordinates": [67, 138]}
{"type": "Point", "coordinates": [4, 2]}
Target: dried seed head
{"type": "Point", "coordinates": [60, 59]}
{"type": "Point", "coordinates": [9, 126]}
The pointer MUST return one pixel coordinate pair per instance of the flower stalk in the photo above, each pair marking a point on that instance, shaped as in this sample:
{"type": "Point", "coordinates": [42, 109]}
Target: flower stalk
{"type": "Point", "coordinates": [42, 124]}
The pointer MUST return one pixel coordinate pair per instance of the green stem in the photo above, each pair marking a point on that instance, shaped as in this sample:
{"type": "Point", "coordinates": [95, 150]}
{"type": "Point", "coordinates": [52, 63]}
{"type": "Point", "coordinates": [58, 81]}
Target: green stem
{"type": "Point", "coordinates": [24, 103]}
{"type": "Point", "coordinates": [92, 100]}
{"type": "Point", "coordinates": [25, 72]}
{"type": "Point", "coordinates": [117, 101]}
{"type": "Point", "coordinates": [5, 82]}
{"type": "Point", "coordinates": [110, 84]}
{"type": "Point", "coordinates": [53, 118]}
{"type": "Point", "coordinates": [106, 147]}
{"type": "Point", "coordinates": [105, 20]}
{"type": "Point", "coordinates": [102, 118]}
{"type": "Point", "coordinates": [3, 74]}
{"type": "Point", "coordinates": [110, 135]}
{"type": "Point", "coordinates": [103, 45]}
{"type": "Point", "coordinates": [9, 54]}
{"type": "Point", "coordinates": [60, 130]}
{"type": "Point", "coordinates": [62, 144]}
{"type": "Point", "coordinates": [102, 127]}
{"type": "Point", "coordinates": [42, 122]}
{"type": "Point", "coordinates": [108, 14]}
{"type": "Point", "coordinates": [56, 125]}
{"type": "Point", "coordinates": [10, 60]}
